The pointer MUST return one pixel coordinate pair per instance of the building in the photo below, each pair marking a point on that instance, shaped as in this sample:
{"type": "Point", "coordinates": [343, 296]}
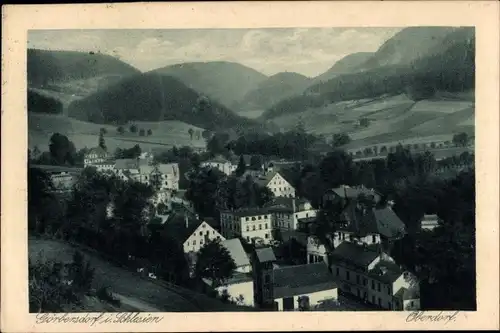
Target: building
{"type": "Point", "coordinates": [348, 193]}
{"type": "Point", "coordinates": [288, 212]}
{"type": "Point", "coordinates": [291, 288]}
{"type": "Point", "coordinates": [105, 166]}
{"type": "Point", "coordinates": [429, 222]}
{"type": "Point", "coordinates": [278, 185]}
{"type": "Point", "coordinates": [62, 181]}
{"type": "Point", "coordinates": [373, 277]}
{"type": "Point", "coordinates": [235, 249]}
{"type": "Point", "coordinates": [167, 175]}
{"type": "Point", "coordinates": [253, 224]}
{"type": "Point", "coordinates": [94, 155]}
{"type": "Point", "coordinates": [221, 164]}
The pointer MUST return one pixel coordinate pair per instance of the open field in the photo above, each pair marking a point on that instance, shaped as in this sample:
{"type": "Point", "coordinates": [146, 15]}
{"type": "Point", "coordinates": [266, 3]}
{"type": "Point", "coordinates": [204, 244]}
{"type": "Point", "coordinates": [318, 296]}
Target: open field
{"type": "Point", "coordinates": [252, 114]}
{"type": "Point", "coordinates": [84, 134]}
{"type": "Point", "coordinates": [133, 290]}
{"type": "Point", "coordinates": [393, 120]}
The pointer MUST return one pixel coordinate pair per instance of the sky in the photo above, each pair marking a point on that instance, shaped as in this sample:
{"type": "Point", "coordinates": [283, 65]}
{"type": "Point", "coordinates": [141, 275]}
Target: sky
{"type": "Point", "coordinates": [308, 51]}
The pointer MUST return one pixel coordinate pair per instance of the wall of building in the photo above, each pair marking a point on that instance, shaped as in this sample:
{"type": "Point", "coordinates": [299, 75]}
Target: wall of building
{"type": "Point", "coordinates": [235, 290]}
{"type": "Point", "coordinates": [203, 234]}
{"type": "Point", "coordinates": [280, 187]}
{"type": "Point", "coordinates": [411, 305]}
{"type": "Point", "coordinates": [315, 250]}
{"type": "Point", "coordinates": [244, 269]}
{"type": "Point", "coordinates": [314, 299]}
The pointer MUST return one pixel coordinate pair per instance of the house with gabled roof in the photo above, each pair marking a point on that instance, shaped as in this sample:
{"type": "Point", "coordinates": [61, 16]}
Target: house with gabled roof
{"type": "Point", "coordinates": [95, 155]}
{"type": "Point", "coordinates": [221, 163]}
{"type": "Point", "coordinates": [288, 212]}
{"type": "Point", "coordinates": [290, 288]}
{"type": "Point", "coordinates": [373, 277]}
{"type": "Point", "coordinates": [277, 183]}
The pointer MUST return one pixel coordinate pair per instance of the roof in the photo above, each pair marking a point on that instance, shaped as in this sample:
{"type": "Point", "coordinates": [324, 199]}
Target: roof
{"type": "Point", "coordinates": [348, 192]}
{"type": "Point", "coordinates": [354, 254]}
{"type": "Point", "coordinates": [264, 179]}
{"type": "Point", "coordinates": [237, 252]}
{"type": "Point", "coordinates": [176, 225]}
{"type": "Point", "coordinates": [386, 271]}
{"type": "Point", "coordinates": [302, 279]}
{"type": "Point", "coordinates": [96, 150]}
{"type": "Point", "coordinates": [218, 159]}
{"type": "Point", "coordinates": [407, 294]}
{"type": "Point", "coordinates": [388, 223]}
{"type": "Point", "coordinates": [247, 212]}
{"type": "Point", "coordinates": [170, 168]}
{"type": "Point", "coordinates": [265, 254]}
{"type": "Point", "coordinates": [126, 163]}
{"type": "Point", "coordinates": [286, 204]}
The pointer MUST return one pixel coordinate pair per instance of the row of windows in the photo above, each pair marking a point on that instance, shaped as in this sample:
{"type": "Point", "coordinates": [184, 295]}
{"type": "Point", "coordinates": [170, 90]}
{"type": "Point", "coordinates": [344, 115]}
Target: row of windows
{"type": "Point", "coordinates": [364, 281]}
{"type": "Point", "coordinates": [201, 241]}
{"type": "Point", "coordinates": [254, 218]}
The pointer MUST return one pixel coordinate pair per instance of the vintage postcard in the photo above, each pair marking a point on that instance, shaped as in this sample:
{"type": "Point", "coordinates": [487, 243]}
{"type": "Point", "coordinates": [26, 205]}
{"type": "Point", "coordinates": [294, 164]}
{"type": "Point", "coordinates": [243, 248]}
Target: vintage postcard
{"type": "Point", "coordinates": [250, 166]}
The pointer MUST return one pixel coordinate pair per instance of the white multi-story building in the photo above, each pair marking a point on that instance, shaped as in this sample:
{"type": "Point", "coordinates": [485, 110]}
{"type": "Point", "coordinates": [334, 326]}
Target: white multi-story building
{"type": "Point", "coordinates": [429, 222]}
{"type": "Point", "coordinates": [199, 234]}
{"type": "Point", "coordinates": [221, 164]}
{"type": "Point", "coordinates": [251, 224]}
{"type": "Point", "coordinates": [288, 212]}
{"type": "Point", "coordinates": [277, 184]}
{"type": "Point", "coordinates": [373, 276]}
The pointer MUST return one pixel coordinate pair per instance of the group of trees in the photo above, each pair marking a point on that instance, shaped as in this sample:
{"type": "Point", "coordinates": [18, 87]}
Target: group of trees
{"type": "Point", "coordinates": [54, 285]}
{"type": "Point", "coordinates": [461, 139]}
{"type": "Point", "coordinates": [196, 134]}
{"type": "Point", "coordinates": [134, 129]}
{"type": "Point", "coordinates": [43, 104]}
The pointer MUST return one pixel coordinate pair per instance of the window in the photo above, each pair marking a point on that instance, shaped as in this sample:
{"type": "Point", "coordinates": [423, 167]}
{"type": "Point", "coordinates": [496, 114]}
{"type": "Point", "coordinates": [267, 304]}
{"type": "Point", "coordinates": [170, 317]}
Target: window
{"type": "Point", "coordinates": [201, 233]}
{"type": "Point", "coordinates": [266, 236]}
{"type": "Point", "coordinates": [265, 225]}
{"type": "Point", "coordinates": [307, 215]}
{"type": "Point", "coordinates": [253, 219]}
{"type": "Point", "coordinates": [365, 281]}
{"type": "Point", "coordinates": [246, 218]}
{"type": "Point", "coordinates": [248, 239]}
{"type": "Point", "coordinates": [374, 238]}
{"type": "Point", "coordinates": [373, 287]}
{"type": "Point", "coordinates": [187, 243]}
{"type": "Point", "coordinates": [203, 226]}
{"type": "Point", "coordinates": [207, 233]}
{"type": "Point", "coordinates": [378, 286]}
{"type": "Point", "coordinates": [253, 227]}
{"type": "Point", "coordinates": [388, 290]}
{"type": "Point", "coordinates": [265, 216]}
{"type": "Point", "coordinates": [347, 275]}
{"type": "Point", "coordinates": [259, 218]}
{"type": "Point", "coordinates": [379, 301]}
{"type": "Point", "coordinates": [201, 241]}
{"type": "Point", "coordinates": [260, 226]}
{"type": "Point", "coordinates": [194, 242]}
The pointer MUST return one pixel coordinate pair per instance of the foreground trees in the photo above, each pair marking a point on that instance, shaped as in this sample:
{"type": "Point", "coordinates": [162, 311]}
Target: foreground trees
{"type": "Point", "coordinates": [214, 263]}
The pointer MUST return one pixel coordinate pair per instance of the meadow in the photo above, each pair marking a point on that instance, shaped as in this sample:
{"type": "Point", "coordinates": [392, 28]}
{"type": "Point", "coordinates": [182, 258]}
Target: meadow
{"type": "Point", "coordinates": [165, 134]}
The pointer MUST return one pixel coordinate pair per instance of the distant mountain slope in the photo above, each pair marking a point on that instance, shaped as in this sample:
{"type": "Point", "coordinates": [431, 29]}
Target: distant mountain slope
{"type": "Point", "coordinates": [349, 64]}
{"type": "Point", "coordinates": [408, 45]}
{"type": "Point", "coordinates": [273, 90]}
{"type": "Point", "coordinates": [226, 82]}
{"type": "Point", "coordinates": [54, 67]}
{"type": "Point", "coordinates": [153, 97]}
{"type": "Point", "coordinates": [448, 66]}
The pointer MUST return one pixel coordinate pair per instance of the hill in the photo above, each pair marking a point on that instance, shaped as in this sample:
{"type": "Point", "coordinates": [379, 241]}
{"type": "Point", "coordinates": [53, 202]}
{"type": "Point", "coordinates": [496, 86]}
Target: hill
{"type": "Point", "coordinates": [46, 68]}
{"type": "Point", "coordinates": [449, 66]}
{"type": "Point", "coordinates": [351, 63]}
{"type": "Point", "coordinates": [272, 90]}
{"type": "Point", "coordinates": [41, 103]}
{"type": "Point", "coordinates": [153, 97]}
{"type": "Point", "coordinates": [225, 82]}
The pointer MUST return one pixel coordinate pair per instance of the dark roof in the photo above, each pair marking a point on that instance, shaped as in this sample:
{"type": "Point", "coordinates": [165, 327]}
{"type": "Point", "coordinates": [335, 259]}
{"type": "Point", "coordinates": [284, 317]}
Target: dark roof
{"type": "Point", "coordinates": [247, 212]}
{"type": "Point", "coordinates": [302, 279]}
{"type": "Point", "coordinates": [388, 223]}
{"type": "Point", "coordinates": [309, 219]}
{"type": "Point", "coordinates": [386, 272]}
{"type": "Point", "coordinates": [263, 180]}
{"type": "Point", "coordinates": [176, 225]}
{"type": "Point", "coordinates": [348, 192]}
{"type": "Point", "coordinates": [235, 249]}
{"type": "Point", "coordinates": [265, 254]}
{"type": "Point", "coordinates": [354, 254]}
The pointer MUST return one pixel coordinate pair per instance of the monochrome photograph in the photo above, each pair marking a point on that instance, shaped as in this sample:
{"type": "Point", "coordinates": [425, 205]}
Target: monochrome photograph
{"type": "Point", "coordinates": [269, 169]}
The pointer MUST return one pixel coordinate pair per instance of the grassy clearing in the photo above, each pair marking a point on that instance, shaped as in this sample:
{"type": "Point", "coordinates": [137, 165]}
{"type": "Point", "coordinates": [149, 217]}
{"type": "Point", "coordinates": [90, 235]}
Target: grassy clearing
{"type": "Point", "coordinates": [85, 134]}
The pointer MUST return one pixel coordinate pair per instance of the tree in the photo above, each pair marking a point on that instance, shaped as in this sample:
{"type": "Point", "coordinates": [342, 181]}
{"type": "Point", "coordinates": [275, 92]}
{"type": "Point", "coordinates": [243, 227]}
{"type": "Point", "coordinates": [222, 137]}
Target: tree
{"type": "Point", "coordinates": [214, 263]}
{"type": "Point", "coordinates": [102, 143]}
{"type": "Point", "coordinates": [340, 139]}
{"type": "Point", "coordinates": [133, 128]}
{"type": "Point", "coordinates": [120, 130]}
{"type": "Point", "coordinates": [150, 132]}
{"type": "Point", "coordinates": [62, 150]}
{"type": "Point", "coordinates": [191, 132]}
{"type": "Point", "coordinates": [103, 131]}
{"type": "Point", "coordinates": [202, 189]}
{"type": "Point", "coordinates": [255, 162]}
{"type": "Point", "coordinates": [142, 132]}
{"type": "Point", "coordinates": [461, 139]}
{"type": "Point", "coordinates": [241, 168]}
{"type": "Point", "coordinates": [383, 150]}
{"type": "Point", "coordinates": [433, 145]}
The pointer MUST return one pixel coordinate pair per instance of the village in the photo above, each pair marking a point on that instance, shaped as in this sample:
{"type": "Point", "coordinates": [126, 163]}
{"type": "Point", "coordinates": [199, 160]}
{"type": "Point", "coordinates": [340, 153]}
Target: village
{"type": "Point", "coordinates": [352, 270]}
